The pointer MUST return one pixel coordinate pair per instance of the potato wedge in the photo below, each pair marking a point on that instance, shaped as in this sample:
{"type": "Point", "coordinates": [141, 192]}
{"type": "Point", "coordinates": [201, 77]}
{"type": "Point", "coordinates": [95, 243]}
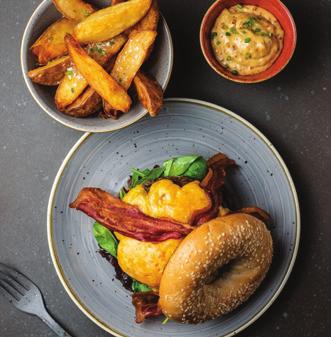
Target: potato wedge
{"type": "Point", "coordinates": [128, 63]}
{"type": "Point", "coordinates": [103, 51]}
{"type": "Point", "coordinates": [76, 10]}
{"type": "Point", "coordinates": [51, 42]}
{"type": "Point", "coordinates": [150, 93]}
{"type": "Point", "coordinates": [97, 77]}
{"type": "Point", "coordinates": [132, 56]}
{"type": "Point", "coordinates": [85, 105]}
{"type": "Point", "coordinates": [89, 101]}
{"type": "Point", "coordinates": [106, 23]}
{"type": "Point", "coordinates": [148, 22]}
{"type": "Point", "coordinates": [52, 73]}
{"type": "Point", "coordinates": [109, 112]}
{"type": "Point", "coordinates": [73, 84]}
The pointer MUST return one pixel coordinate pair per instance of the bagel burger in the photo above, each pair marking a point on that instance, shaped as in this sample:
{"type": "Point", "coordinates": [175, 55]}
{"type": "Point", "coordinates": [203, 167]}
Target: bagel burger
{"type": "Point", "coordinates": [195, 261]}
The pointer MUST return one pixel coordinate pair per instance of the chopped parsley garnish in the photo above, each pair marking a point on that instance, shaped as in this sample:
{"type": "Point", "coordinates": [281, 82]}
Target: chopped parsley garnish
{"type": "Point", "coordinates": [110, 43]}
{"type": "Point", "coordinates": [249, 23]}
{"type": "Point", "coordinates": [213, 35]}
{"type": "Point", "coordinates": [86, 12]}
{"type": "Point", "coordinates": [247, 40]}
{"type": "Point", "coordinates": [233, 30]}
{"type": "Point", "coordinates": [101, 51]}
{"type": "Point", "coordinates": [239, 6]}
{"type": "Point", "coordinates": [227, 33]}
{"type": "Point", "coordinates": [72, 90]}
{"type": "Point", "coordinates": [266, 34]}
{"type": "Point", "coordinates": [248, 56]}
{"type": "Point", "coordinates": [257, 30]}
{"type": "Point", "coordinates": [234, 72]}
{"type": "Point", "coordinates": [218, 43]}
{"type": "Point", "coordinates": [69, 72]}
{"type": "Point", "coordinates": [98, 50]}
{"type": "Point", "coordinates": [228, 58]}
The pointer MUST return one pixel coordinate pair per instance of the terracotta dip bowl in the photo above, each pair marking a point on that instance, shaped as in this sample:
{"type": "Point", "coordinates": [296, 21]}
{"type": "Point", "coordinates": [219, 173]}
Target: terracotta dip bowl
{"type": "Point", "coordinates": [275, 7]}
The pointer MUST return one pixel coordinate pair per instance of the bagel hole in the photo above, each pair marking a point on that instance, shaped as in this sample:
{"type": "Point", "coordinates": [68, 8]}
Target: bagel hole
{"type": "Point", "coordinates": [221, 272]}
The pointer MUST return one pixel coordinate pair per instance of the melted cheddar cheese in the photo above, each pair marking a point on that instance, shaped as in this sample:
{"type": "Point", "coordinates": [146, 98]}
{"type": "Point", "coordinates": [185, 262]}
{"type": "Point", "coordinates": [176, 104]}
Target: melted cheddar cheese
{"type": "Point", "coordinates": [166, 199]}
{"type": "Point", "coordinates": [145, 261]}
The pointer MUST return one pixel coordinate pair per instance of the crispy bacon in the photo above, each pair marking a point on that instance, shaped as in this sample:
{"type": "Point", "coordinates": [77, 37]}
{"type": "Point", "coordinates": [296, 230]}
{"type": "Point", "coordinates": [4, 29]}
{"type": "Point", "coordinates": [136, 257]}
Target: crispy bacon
{"type": "Point", "coordinates": [126, 219]}
{"type": "Point", "coordinates": [257, 212]}
{"type": "Point", "coordinates": [146, 305]}
{"type": "Point", "coordinates": [212, 184]}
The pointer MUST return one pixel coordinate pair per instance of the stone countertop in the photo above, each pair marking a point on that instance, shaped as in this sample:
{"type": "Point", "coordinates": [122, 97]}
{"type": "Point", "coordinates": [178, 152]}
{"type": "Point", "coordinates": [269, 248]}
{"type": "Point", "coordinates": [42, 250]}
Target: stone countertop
{"type": "Point", "coordinates": [292, 110]}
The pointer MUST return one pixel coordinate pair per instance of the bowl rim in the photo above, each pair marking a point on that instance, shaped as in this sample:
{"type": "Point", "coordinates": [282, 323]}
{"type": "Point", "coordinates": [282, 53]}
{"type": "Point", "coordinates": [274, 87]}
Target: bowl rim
{"type": "Point", "coordinates": [51, 112]}
{"type": "Point", "coordinates": [218, 109]}
{"type": "Point", "coordinates": [238, 80]}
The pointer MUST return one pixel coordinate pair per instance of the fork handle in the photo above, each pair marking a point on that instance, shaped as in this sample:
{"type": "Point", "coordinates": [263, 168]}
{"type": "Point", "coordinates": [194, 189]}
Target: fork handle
{"type": "Point", "coordinates": [48, 319]}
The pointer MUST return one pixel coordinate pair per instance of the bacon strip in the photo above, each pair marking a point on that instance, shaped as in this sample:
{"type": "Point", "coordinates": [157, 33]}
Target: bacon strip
{"type": "Point", "coordinates": [126, 219]}
{"type": "Point", "coordinates": [146, 305]}
{"type": "Point", "coordinates": [258, 212]}
{"type": "Point", "coordinates": [212, 184]}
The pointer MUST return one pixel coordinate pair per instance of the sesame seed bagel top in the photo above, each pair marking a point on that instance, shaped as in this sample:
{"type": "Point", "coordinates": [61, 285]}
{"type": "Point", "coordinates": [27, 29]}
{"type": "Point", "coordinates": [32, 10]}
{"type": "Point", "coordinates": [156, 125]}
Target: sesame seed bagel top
{"type": "Point", "coordinates": [192, 290]}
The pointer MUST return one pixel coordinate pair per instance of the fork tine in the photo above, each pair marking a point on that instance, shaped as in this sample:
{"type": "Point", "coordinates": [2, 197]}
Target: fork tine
{"type": "Point", "coordinates": [7, 295]}
{"type": "Point", "coordinates": [9, 291]}
{"type": "Point", "coordinates": [13, 282]}
{"type": "Point", "coordinates": [20, 278]}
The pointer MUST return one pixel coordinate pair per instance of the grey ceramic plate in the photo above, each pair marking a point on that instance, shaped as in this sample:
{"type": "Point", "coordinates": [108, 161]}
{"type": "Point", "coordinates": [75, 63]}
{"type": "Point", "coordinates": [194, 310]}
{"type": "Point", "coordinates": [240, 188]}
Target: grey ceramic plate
{"type": "Point", "coordinates": [105, 160]}
{"type": "Point", "coordinates": [159, 65]}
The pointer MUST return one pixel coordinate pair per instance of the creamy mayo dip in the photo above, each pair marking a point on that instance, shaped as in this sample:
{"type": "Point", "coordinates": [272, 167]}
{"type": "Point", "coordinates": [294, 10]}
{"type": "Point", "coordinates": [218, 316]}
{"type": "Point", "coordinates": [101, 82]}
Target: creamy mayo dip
{"type": "Point", "coordinates": [246, 39]}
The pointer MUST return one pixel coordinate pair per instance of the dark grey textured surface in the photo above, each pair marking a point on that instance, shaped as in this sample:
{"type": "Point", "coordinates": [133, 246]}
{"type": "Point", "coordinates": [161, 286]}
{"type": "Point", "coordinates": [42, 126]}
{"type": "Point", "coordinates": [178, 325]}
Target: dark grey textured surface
{"type": "Point", "coordinates": [291, 109]}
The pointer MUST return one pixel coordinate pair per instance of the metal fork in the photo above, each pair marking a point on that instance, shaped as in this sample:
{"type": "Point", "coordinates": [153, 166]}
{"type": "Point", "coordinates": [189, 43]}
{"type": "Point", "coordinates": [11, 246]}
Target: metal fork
{"type": "Point", "coordinates": [26, 296]}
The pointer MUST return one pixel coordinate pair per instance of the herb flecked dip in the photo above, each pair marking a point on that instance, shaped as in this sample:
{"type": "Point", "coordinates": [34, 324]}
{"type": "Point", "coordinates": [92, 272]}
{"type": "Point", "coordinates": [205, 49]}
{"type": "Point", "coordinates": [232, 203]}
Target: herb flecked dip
{"type": "Point", "coordinates": [246, 39]}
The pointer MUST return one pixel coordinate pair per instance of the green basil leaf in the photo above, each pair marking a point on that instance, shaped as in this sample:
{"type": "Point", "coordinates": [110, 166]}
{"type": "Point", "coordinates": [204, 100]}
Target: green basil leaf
{"type": "Point", "coordinates": [194, 167]}
{"type": "Point", "coordinates": [141, 174]}
{"type": "Point", "coordinates": [105, 239]}
{"type": "Point", "coordinates": [122, 193]}
{"type": "Point", "coordinates": [180, 165]}
{"type": "Point", "coordinates": [167, 167]}
{"type": "Point", "coordinates": [138, 287]}
{"type": "Point", "coordinates": [154, 174]}
{"type": "Point", "coordinates": [139, 177]}
{"type": "Point", "coordinates": [197, 169]}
